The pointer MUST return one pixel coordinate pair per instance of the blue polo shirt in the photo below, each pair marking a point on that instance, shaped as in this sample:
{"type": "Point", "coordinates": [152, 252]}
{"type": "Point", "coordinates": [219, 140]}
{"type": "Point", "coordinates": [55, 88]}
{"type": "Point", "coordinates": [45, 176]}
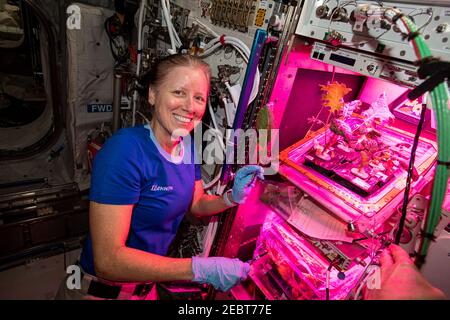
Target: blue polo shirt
{"type": "Point", "coordinates": [132, 168]}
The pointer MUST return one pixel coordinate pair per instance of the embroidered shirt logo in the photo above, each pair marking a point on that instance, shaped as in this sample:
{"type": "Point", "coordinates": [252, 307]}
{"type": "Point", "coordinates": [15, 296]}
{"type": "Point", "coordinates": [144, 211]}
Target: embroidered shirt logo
{"type": "Point", "coordinates": [155, 187]}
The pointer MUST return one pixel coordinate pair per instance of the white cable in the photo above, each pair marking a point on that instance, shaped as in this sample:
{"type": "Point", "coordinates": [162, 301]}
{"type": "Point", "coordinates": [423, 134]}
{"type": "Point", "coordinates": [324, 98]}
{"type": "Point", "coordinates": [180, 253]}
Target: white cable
{"type": "Point", "coordinates": [214, 44]}
{"type": "Point", "coordinates": [168, 18]}
{"type": "Point", "coordinates": [361, 286]}
{"type": "Point", "coordinates": [255, 87]}
{"type": "Point", "coordinates": [166, 15]}
{"type": "Point", "coordinates": [174, 31]}
{"type": "Point", "coordinates": [140, 27]}
{"type": "Point", "coordinates": [222, 146]}
{"type": "Point", "coordinates": [217, 45]}
{"type": "Point", "coordinates": [211, 31]}
{"type": "Point", "coordinates": [220, 189]}
{"type": "Point", "coordinates": [225, 103]}
{"type": "Point", "coordinates": [139, 57]}
{"type": "Point", "coordinates": [210, 235]}
{"type": "Point", "coordinates": [233, 41]}
{"type": "Point", "coordinates": [217, 132]}
{"type": "Point", "coordinates": [242, 48]}
{"type": "Point", "coordinates": [213, 181]}
{"type": "Point", "coordinates": [244, 51]}
{"type": "Point", "coordinates": [211, 50]}
{"type": "Point", "coordinates": [241, 45]}
{"type": "Point", "coordinates": [233, 96]}
{"type": "Point", "coordinates": [143, 117]}
{"type": "Point", "coordinates": [213, 117]}
{"type": "Point", "coordinates": [242, 54]}
{"type": "Point", "coordinates": [239, 42]}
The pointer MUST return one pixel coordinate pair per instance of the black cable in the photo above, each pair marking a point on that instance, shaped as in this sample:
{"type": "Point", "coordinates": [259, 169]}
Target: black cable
{"type": "Point", "coordinates": [410, 173]}
{"type": "Point", "coordinates": [366, 238]}
{"type": "Point", "coordinates": [118, 42]}
{"type": "Point", "coordinates": [444, 163]}
{"type": "Point", "coordinates": [327, 287]}
{"type": "Point", "coordinates": [333, 263]}
{"type": "Point", "coordinates": [410, 36]}
{"type": "Point", "coordinates": [396, 17]}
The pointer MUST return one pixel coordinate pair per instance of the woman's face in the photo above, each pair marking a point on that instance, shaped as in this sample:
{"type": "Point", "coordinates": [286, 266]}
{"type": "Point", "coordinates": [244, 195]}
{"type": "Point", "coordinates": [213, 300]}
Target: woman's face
{"type": "Point", "coordinates": [179, 100]}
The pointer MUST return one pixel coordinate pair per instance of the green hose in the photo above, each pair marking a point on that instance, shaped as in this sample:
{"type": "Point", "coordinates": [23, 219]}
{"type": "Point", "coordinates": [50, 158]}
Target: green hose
{"type": "Point", "coordinates": [439, 97]}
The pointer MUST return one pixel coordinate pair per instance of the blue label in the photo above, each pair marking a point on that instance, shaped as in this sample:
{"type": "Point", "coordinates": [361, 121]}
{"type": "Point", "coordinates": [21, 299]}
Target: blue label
{"type": "Point", "coordinates": [99, 107]}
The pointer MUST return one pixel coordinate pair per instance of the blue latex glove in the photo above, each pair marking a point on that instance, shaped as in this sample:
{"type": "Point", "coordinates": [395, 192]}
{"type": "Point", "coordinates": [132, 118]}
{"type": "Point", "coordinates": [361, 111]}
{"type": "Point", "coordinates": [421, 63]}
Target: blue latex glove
{"type": "Point", "coordinates": [222, 273]}
{"type": "Point", "coordinates": [244, 181]}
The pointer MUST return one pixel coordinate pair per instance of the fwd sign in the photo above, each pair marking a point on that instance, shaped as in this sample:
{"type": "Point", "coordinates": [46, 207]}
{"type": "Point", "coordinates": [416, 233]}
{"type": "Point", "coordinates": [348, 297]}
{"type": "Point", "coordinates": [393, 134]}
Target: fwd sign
{"type": "Point", "coordinates": [99, 107]}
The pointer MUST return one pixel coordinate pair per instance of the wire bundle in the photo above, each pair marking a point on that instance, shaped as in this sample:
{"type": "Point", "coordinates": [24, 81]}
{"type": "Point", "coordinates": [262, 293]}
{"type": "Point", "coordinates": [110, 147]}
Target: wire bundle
{"type": "Point", "coordinates": [439, 96]}
{"type": "Point", "coordinates": [243, 50]}
{"type": "Point", "coordinates": [175, 41]}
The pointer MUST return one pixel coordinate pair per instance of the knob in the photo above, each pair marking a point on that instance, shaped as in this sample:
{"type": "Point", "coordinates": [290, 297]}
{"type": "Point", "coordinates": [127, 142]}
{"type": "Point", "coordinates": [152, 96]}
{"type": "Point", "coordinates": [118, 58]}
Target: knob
{"type": "Point", "coordinates": [371, 68]}
{"type": "Point", "coordinates": [340, 14]}
{"type": "Point", "coordinates": [441, 28]}
{"type": "Point", "coordinates": [275, 20]}
{"type": "Point", "coordinates": [322, 11]}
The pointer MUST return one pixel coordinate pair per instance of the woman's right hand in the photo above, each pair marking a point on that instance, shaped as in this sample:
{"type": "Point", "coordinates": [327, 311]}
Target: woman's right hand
{"type": "Point", "coordinates": [244, 181]}
{"type": "Point", "coordinates": [222, 273]}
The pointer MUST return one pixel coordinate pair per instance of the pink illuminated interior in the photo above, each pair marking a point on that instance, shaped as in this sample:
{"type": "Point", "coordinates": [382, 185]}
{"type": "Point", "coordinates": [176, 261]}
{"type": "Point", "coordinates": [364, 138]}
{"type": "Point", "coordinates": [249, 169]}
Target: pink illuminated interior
{"type": "Point", "coordinates": [299, 269]}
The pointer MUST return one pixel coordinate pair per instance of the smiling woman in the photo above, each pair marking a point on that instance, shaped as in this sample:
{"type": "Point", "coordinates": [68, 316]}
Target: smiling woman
{"type": "Point", "coordinates": [178, 97]}
{"type": "Point", "coordinates": [140, 193]}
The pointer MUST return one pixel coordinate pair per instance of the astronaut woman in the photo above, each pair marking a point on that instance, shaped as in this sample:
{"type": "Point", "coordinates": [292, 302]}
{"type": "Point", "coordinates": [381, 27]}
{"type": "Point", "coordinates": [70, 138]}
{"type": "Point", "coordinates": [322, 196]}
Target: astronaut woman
{"type": "Point", "coordinates": [144, 180]}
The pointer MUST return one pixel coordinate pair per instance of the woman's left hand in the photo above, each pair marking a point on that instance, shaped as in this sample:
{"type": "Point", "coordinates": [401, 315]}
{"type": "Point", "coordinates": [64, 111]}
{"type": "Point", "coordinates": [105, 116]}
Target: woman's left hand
{"type": "Point", "coordinates": [244, 181]}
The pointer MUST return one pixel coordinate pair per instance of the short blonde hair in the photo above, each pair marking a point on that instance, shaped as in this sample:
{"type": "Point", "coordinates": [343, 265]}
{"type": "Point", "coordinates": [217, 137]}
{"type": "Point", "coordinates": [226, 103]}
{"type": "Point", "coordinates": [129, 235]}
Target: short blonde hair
{"type": "Point", "coordinates": [162, 67]}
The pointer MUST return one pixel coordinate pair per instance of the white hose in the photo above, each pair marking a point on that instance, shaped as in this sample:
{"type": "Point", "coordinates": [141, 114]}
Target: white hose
{"type": "Point", "coordinates": [213, 181]}
{"type": "Point", "coordinates": [215, 44]}
{"type": "Point", "coordinates": [222, 146]}
{"type": "Point", "coordinates": [210, 235]}
{"type": "Point", "coordinates": [212, 49]}
{"type": "Point", "coordinates": [233, 96]}
{"type": "Point", "coordinates": [140, 26]}
{"type": "Point", "coordinates": [242, 48]}
{"type": "Point", "coordinates": [244, 51]}
{"type": "Point", "coordinates": [139, 57]}
{"type": "Point", "coordinates": [211, 111]}
{"type": "Point", "coordinates": [174, 31]}
{"type": "Point", "coordinates": [255, 87]}
{"type": "Point", "coordinates": [238, 43]}
{"type": "Point", "coordinates": [211, 31]}
{"type": "Point", "coordinates": [242, 54]}
{"type": "Point", "coordinates": [216, 128]}
{"type": "Point", "coordinates": [166, 14]}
